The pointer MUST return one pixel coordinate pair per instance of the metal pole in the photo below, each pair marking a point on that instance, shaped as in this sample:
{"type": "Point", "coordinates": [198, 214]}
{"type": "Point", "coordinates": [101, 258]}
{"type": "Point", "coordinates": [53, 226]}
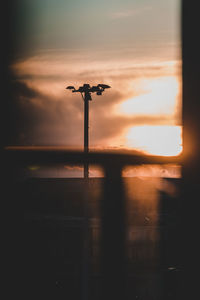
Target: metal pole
{"type": "Point", "coordinates": [86, 91]}
{"type": "Point", "coordinates": [86, 127]}
{"type": "Point", "coordinates": [85, 284]}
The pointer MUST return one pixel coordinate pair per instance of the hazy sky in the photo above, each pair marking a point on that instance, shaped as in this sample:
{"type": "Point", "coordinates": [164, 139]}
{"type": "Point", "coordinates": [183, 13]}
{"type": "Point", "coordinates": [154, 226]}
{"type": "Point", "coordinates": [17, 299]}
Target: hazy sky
{"type": "Point", "coordinates": [134, 46]}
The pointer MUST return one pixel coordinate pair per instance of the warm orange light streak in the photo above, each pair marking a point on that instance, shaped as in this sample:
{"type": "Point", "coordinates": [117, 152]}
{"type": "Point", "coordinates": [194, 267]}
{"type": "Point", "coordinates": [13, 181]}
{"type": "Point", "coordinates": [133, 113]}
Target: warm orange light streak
{"type": "Point", "coordinates": [158, 140]}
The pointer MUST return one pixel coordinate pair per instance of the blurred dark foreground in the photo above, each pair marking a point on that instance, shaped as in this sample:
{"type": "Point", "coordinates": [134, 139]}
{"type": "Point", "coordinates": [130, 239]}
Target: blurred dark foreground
{"type": "Point", "coordinates": [55, 239]}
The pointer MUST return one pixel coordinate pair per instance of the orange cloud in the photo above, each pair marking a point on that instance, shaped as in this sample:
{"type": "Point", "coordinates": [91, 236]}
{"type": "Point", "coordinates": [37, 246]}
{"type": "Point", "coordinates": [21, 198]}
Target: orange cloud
{"type": "Point", "coordinates": [50, 115]}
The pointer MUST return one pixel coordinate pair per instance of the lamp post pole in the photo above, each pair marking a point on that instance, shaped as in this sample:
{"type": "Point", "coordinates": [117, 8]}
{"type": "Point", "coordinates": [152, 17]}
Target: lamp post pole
{"type": "Point", "coordinates": [86, 91]}
{"type": "Point", "coordinates": [86, 136]}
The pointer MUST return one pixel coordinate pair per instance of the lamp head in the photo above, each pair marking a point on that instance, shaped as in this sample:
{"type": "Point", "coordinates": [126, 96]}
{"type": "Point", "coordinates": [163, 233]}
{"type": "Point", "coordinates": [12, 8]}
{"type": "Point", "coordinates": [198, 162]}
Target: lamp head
{"type": "Point", "coordinates": [70, 87]}
{"type": "Point", "coordinates": [104, 86]}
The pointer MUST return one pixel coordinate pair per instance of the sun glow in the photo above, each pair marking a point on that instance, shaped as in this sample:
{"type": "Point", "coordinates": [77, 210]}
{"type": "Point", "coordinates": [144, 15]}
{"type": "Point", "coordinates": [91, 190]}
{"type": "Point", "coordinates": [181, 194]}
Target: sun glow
{"type": "Point", "coordinates": [156, 96]}
{"type": "Point", "coordinates": [157, 140]}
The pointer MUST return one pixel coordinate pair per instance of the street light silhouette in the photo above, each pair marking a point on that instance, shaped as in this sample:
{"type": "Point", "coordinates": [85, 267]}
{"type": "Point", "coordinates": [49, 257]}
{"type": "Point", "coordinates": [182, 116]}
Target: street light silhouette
{"type": "Point", "coordinates": [86, 91]}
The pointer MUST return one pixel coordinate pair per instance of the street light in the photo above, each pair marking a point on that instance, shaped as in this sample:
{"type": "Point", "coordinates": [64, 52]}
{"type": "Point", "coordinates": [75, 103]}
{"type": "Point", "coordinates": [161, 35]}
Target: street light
{"type": "Point", "coordinates": [86, 91]}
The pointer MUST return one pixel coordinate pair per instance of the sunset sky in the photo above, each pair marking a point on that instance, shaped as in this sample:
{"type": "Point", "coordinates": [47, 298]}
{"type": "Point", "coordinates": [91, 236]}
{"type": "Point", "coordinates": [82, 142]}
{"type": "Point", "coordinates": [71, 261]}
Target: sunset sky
{"type": "Point", "coordinates": [131, 45]}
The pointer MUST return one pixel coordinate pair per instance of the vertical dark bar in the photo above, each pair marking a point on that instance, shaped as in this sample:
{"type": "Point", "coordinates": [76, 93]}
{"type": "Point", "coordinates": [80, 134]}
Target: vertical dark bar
{"type": "Point", "coordinates": [11, 237]}
{"type": "Point", "coordinates": [86, 138]}
{"type": "Point", "coordinates": [191, 85]}
{"type": "Point", "coordinates": [85, 282]}
{"type": "Point", "coordinates": [86, 245]}
{"type": "Point", "coordinates": [191, 143]}
{"type": "Point", "coordinates": [113, 235]}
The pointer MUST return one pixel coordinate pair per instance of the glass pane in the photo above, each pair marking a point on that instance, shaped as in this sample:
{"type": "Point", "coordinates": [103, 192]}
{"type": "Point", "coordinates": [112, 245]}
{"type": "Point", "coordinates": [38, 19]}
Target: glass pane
{"type": "Point", "coordinates": [132, 46]}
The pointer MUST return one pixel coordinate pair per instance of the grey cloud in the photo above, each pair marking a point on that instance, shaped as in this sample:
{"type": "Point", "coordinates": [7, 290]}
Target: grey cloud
{"type": "Point", "coordinates": [41, 119]}
{"type": "Point", "coordinates": [47, 120]}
